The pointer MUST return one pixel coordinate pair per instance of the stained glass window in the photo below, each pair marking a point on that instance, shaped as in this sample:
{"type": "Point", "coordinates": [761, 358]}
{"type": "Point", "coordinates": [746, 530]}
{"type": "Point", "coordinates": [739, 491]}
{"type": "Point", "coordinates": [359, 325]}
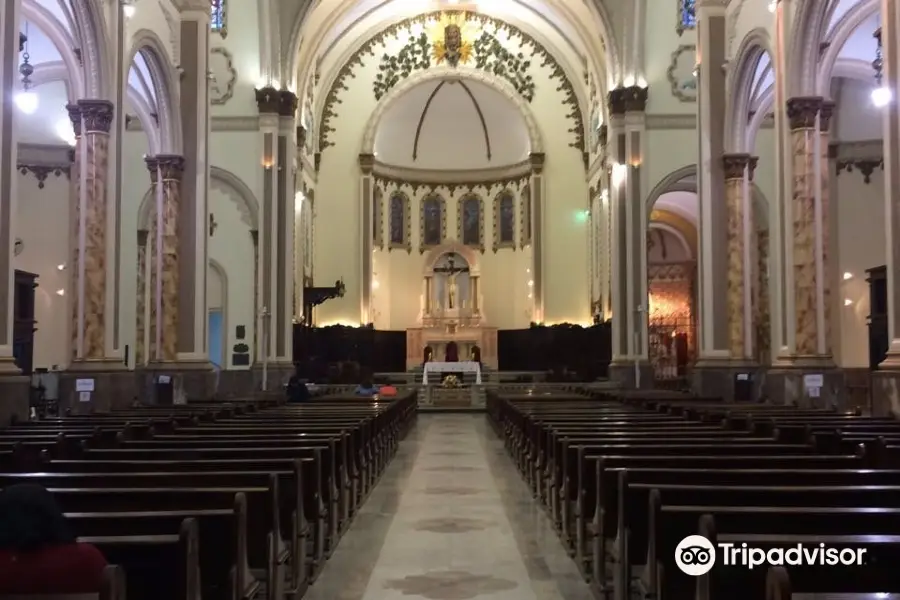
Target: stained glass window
{"type": "Point", "coordinates": [432, 217]}
{"type": "Point", "coordinates": [217, 15]}
{"type": "Point", "coordinates": [687, 15]}
{"type": "Point", "coordinates": [471, 229]}
{"type": "Point", "coordinates": [376, 217]}
{"type": "Point", "coordinates": [398, 219]}
{"type": "Point", "coordinates": [526, 215]}
{"type": "Point", "coordinates": [507, 218]}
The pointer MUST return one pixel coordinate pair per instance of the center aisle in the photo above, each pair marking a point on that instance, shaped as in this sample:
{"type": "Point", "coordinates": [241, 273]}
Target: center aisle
{"type": "Point", "coordinates": [451, 520]}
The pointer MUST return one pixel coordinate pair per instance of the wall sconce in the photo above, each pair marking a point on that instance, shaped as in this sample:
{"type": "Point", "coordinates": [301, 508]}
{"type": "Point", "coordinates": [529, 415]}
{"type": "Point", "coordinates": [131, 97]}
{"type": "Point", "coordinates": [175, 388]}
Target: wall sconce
{"type": "Point", "coordinates": [267, 164]}
{"type": "Point", "coordinates": [848, 275]}
{"type": "Point", "coordinates": [881, 95]}
{"type": "Point", "coordinates": [773, 6]}
{"type": "Point", "coordinates": [848, 302]}
{"type": "Point", "coordinates": [61, 267]}
{"type": "Point", "coordinates": [60, 292]}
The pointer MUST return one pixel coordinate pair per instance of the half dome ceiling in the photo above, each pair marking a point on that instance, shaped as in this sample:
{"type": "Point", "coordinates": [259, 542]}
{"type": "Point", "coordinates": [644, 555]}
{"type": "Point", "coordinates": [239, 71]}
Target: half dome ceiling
{"type": "Point", "coordinates": [452, 124]}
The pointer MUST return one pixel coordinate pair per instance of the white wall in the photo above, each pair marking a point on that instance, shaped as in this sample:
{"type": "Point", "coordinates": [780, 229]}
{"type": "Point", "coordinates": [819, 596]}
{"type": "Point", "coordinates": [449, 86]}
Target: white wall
{"type": "Point", "coordinates": [45, 247]}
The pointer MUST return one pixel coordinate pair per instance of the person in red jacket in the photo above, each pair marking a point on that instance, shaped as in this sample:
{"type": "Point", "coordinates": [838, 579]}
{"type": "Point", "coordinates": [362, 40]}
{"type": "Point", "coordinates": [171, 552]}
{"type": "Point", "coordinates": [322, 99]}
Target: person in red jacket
{"type": "Point", "coordinates": [39, 554]}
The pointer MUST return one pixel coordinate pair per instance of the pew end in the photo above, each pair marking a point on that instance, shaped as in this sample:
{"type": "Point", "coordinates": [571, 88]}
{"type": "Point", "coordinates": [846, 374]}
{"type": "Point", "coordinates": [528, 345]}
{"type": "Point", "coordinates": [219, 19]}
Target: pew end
{"type": "Point", "coordinates": [778, 584]}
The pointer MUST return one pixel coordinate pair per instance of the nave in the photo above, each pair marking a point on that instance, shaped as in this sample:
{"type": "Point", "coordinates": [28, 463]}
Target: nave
{"type": "Point", "coordinates": [451, 519]}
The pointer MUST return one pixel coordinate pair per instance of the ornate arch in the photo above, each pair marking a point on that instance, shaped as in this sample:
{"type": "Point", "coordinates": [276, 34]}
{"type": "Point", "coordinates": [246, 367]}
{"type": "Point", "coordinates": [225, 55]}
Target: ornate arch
{"type": "Point", "coordinates": [58, 71]}
{"type": "Point", "coordinates": [675, 182]}
{"type": "Point", "coordinates": [99, 75]}
{"type": "Point", "coordinates": [753, 47]}
{"type": "Point", "coordinates": [806, 36]}
{"type": "Point", "coordinates": [452, 247]}
{"type": "Point", "coordinates": [63, 42]}
{"type": "Point", "coordinates": [368, 49]}
{"type": "Point", "coordinates": [434, 73]}
{"type": "Point", "coordinates": [836, 39]}
{"type": "Point", "coordinates": [224, 181]}
{"type": "Point", "coordinates": [162, 74]}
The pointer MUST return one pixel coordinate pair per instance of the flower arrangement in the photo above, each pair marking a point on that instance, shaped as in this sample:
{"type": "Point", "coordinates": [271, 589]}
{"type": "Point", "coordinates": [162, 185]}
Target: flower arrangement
{"type": "Point", "coordinates": [451, 381]}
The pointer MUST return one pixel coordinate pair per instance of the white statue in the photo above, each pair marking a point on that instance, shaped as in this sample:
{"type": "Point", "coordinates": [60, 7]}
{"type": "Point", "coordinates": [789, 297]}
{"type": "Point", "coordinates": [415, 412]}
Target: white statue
{"type": "Point", "coordinates": [451, 291]}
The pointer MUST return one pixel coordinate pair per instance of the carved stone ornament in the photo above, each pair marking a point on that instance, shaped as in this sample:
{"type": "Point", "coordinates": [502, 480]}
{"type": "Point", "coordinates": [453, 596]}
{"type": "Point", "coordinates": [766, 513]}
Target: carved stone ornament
{"type": "Point", "coordinates": [287, 103]}
{"type": "Point", "coordinates": [268, 100]}
{"type": "Point", "coordinates": [367, 163]}
{"type": "Point", "coordinates": [301, 136]}
{"type": "Point", "coordinates": [802, 111]}
{"type": "Point", "coordinates": [736, 164]}
{"type": "Point", "coordinates": [628, 99]}
{"type": "Point", "coordinates": [865, 166]}
{"type": "Point", "coordinates": [42, 172]}
{"type": "Point", "coordinates": [18, 246]}
{"type": "Point", "coordinates": [682, 80]}
{"type": "Point", "coordinates": [825, 114]}
{"type": "Point", "coordinates": [495, 58]}
{"type": "Point", "coordinates": [224, 76]}
{"type": "Point", "coordinates": [537, 162]}
{"type": "Point", "coordinates": [165, 167]}
{"type": "Point", "coordinates": [96, 115]}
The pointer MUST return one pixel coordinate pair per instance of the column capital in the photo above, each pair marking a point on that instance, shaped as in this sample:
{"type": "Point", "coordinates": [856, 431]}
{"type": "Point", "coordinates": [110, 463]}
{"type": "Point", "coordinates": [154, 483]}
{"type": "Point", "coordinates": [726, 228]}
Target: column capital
{"type": "Point", "coordinates": [301, 136]}
{"type": "Point", "coordinates": [254, 235]}
{"type": "Point", "coordinates": [623, 100]}
{"type": "Point", "coordinates": [803, 110]}
{"type": "Point", "coordinates": [537, 162]}
{"type": "Point", "coordinates": [736, 164]}
{"type": "Point", "coordinates": [142, 237]}
{"type": "Point", "coordinates": [367, 163]}
{"type": "Point", "coordinates": [826, 111]}
{"type": "Point", "coordinates": [75, 117]}
{"type": "Point", "coordinates": [165, 167]}
{"type": "Point", "coordinates": [276, 102]}
{"type": "Point", "coordinates": [96, 115]}
{"type": "Point", "coordinates": [711, 6]}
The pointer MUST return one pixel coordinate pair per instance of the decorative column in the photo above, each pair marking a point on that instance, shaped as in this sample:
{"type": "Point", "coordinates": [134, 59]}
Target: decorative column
{"type": "Point", "coordinates": [277, 109]}
{"type": "Point", "coordinates": [806, 234]}
{"type": "Point", "coordinates": [163, 253]}
{"type": "Point", "coordinates": [366, 207]}
{"type": "Point", "coordinates": [740, 285]}
{"type": "Point", "coordinates": [193, 216]}
{"type": "Point", "coordinates": [886, 380]}
{"type": "Point", "coordinates": [13, 388]}
{"type": "Point", "coordinates": [255, 351]}
{"type": "Point", "coordinates": [537, 236]}
{"type": "Point", "coordinates": [428, 293]}
{"type": "Point", "coordinates": [91, 120]}
{"type": "Point", "coordinates": [283, 310]}
{"type": "Point", "coordinates": [476, 308]}
{"type": "Point", "coordinates": [761, 310]}
{"type": "Point", "coordinates": [142, 306]}
{"type": "Point", "coordinates": [630, 365]}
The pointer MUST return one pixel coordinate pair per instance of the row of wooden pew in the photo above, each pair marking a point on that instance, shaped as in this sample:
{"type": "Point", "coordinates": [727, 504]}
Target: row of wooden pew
{"type": "Point", "coordinates": [215, 501]}
{"type": "Point", "coordinates": [625, 477]}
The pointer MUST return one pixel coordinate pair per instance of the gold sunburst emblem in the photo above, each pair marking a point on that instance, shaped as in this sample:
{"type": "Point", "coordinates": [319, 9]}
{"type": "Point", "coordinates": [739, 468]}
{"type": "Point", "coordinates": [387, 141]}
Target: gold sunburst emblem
{"type": "Point", "coordinates": [452, 35]}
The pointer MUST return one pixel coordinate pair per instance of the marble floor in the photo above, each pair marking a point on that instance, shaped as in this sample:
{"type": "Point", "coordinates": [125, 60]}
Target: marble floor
{"type": "Point", "coordinates": [450, 520]}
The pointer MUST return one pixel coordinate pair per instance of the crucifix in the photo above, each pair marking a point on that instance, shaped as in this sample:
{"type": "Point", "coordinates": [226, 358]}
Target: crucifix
{"type": "Point", "coordinates": [212, 225]}
{"type": "Point", "coordinates": [451, 271]}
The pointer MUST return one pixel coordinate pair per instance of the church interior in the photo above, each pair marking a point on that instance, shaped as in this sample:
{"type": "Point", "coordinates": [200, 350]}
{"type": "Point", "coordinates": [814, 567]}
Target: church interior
{"type": "Point", "coordinates": [308, 266]}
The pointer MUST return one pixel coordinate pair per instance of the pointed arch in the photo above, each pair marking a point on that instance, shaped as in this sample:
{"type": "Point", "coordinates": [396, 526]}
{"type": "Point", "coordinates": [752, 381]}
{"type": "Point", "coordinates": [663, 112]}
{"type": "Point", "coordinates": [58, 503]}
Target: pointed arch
{"type": "Point", "coordinates": [162, 74]}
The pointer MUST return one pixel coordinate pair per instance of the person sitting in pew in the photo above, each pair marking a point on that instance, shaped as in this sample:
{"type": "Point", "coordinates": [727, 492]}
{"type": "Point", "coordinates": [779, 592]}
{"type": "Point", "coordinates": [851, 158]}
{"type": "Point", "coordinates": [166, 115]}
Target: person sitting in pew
{"type": "Point", "coordinates": [296, 387]}
{"type": "Point", "coordinates": [39, 554]}
{"type": "Point", "coordinates": [366, 388]}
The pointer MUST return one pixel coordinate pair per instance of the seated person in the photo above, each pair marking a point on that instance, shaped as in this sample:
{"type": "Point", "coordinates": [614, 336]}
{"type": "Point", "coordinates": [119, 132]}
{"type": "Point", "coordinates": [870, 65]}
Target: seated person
{"type": "Point", "coordinates": [296, 389]}
{"type": "Point", "coordinates": [39, 553]}
{"type": "Point", "coordinates": [366, 388]}
{"type": "Point", "coordinates": [387, 390]}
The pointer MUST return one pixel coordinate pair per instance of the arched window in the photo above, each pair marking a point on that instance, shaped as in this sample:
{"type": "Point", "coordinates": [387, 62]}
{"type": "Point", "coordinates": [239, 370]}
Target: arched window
{"type": "Point", "coordinates": [399, 221]}
{"type": "Point", "coordinates": [504, 220]}
{"type": "Point", "coordinates": [433, 224]}
{"type": "Point", "coordinates": [217, 17]}
{"type": "Point", "coordinates": [687, 15]}
{"type": "Point", "coordinates": [377, 216]}
{"type": "Point", "coordinates": [471, 221]}
{"type": "Point", "coordinates": [526, 216]}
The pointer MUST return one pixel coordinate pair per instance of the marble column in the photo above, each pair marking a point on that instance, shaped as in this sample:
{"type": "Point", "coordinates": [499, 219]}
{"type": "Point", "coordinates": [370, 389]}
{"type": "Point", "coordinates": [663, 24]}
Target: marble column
{"type": "Point", "coordinates": [91, 120]}
{"type": "Point", "coordinates": [163, 257]}
{"type": "Point", "coordinates": [428, 293]}
{"type": "Point", "coordinates": [739, 210]}
{"type": "Point", "coordinates": [886, 381]}
{"type": "Point", "coordinates": [630, 365]}
{"type": "Point", "coordinates": [254, 234]}
{"type": "Point", "coordinates": [193, 216]}
{"type": "Point", "coordinates": [536, 185]}
{"type": "Point", "coordinates": [808, 235]}
{"type": "Point", "coordinates": [13, 386]}
{"type": "Point", "coordinates": [142, 306]}
{"type": "Point", "coordinates": [366, 207]}
{"type": "Point", "coordinates": [761, 312]}
{"type": "Point", "coordinates": [277, 109]}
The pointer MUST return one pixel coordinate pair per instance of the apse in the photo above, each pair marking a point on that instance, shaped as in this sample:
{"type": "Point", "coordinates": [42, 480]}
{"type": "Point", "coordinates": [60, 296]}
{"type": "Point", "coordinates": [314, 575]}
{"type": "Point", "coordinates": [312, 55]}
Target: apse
{"type": "Point", "coordinates": [452, 124]}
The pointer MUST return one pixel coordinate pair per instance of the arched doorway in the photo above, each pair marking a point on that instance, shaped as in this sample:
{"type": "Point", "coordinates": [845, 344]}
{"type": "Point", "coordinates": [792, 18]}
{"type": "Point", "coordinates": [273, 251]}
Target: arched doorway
{"type": "Point", "coordinates": [217, 315]}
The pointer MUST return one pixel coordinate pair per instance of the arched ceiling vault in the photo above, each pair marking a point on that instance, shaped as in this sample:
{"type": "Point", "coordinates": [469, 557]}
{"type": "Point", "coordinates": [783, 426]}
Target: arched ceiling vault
{"type": "Point", "coordinates": [574, 33]}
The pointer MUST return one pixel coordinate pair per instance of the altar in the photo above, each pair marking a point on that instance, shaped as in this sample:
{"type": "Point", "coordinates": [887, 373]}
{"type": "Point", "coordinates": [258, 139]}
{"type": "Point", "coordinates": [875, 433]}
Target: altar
{"type": "Point", "coordinates": [432, 368]}
{"type": "Point", "coordinates": [451, 312]}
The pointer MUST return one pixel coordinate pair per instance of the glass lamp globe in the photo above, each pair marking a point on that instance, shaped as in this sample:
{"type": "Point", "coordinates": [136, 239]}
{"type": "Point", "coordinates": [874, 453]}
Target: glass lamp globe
{"type": "Point", "coordinates": [27, 101]}
{"type": "Point", "coordinates": [881, 96]}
